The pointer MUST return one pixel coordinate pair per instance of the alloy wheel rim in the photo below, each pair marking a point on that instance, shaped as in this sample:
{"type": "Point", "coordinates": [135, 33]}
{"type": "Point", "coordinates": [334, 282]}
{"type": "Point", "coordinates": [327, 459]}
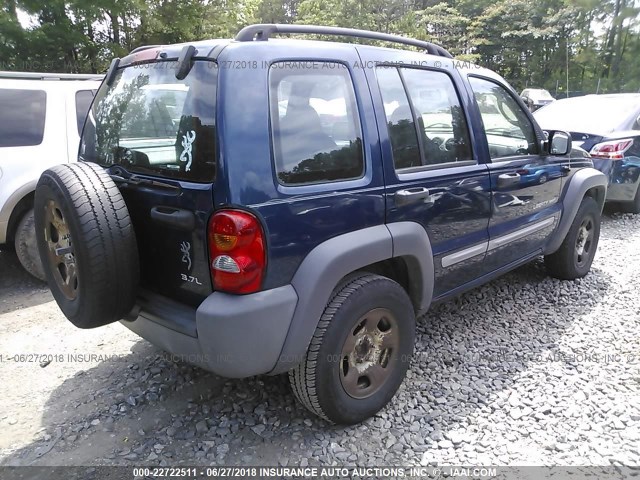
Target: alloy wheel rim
{"type": "Point", "coordinates": [584, 241]}
{"type": "Point", "coordinates": [369, 353]}
{"type": "Point", "coordinates": [60, 250]}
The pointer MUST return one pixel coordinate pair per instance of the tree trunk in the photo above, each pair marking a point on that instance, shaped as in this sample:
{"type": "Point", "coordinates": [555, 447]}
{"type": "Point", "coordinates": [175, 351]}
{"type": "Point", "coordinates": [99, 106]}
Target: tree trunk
{"type": "Point", "coordinates": [611, 39]}
{"type": "Point", "coordinates": [115, 27]}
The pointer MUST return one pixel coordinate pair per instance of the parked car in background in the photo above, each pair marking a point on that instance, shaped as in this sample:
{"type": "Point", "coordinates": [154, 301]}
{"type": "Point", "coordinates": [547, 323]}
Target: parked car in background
{"type": "Point", "coordinates": [608, 127]}
{"type": "Point", "coordinates": [535, 98]}
{"type": "Point", "coordinates": [41, 117]}
{"type": "Point", "coordinates": [539, 174]}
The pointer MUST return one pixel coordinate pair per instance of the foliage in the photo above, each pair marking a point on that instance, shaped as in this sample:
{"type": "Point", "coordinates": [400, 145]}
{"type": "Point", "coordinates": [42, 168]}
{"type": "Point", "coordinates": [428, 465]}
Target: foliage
{"type": "Point", "coordinates": [589, 45]}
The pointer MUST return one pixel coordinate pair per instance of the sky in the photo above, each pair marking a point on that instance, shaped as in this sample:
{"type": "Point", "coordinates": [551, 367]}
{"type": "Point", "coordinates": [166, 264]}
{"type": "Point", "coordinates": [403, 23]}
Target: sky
{"type": "Point", "coordinates": [25, 19]}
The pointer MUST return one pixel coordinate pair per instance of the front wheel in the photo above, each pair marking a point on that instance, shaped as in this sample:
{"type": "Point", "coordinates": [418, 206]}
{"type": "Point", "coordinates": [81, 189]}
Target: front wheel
{"type": "Point", "coordinates": [359, 353]}
{"type": "Point", "coordinates": [575, 256]}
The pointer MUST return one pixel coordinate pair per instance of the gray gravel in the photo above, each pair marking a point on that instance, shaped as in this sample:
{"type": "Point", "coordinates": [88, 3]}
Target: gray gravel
{"type": "Point", "coordinates": [525, 370]}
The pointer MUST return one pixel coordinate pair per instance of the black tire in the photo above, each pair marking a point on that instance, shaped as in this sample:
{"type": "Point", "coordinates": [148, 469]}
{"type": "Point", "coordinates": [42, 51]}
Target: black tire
{"type": "Point", "coordinates": [318, 381]}
{"type": "Point", "coordinates": [633, 206]}
{"type": "Point", "coordinates": [567, 263]}
{"type": "Point", "coordinates": [543, 179]}
{"type": "Point", "coordinates": [86, 243]}
{"type": "Point", "coordinates": [27, 246]}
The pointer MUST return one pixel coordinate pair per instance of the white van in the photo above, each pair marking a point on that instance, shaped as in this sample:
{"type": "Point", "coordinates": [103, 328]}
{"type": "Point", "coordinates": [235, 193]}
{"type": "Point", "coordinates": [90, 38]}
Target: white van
{"type": "Point", "coordinates": [41, 117]}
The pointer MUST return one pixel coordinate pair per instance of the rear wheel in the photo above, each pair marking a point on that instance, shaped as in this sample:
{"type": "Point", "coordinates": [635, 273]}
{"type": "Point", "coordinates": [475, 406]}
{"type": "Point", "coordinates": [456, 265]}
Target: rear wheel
{"type": "Point", "coordinates": [86, 243]}
{"type": "Point", "coordinates": [575, 256]}
{"type": "Point", "coordinates": [359, 353]}
{"type": "Point", "coordinates": [27, 247]}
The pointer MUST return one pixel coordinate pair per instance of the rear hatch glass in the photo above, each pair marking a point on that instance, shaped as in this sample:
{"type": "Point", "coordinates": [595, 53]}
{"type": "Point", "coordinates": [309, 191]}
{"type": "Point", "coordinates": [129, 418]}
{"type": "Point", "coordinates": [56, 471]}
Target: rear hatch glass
{"type": "Point", "coordinates": [156, 136]}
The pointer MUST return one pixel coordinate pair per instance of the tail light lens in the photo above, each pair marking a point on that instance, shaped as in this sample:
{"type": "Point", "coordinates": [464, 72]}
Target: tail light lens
{"type": "Point", "coordinates": [523, 171]}
{"type": "Point", "coordinates": [613, 150]}
{"type": "Point", "coordinates": [236, 251]}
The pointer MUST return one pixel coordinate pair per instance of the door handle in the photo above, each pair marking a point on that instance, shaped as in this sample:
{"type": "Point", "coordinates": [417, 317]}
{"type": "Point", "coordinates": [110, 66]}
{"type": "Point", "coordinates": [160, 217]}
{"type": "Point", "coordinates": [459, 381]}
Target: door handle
{"type": "Point", "coordinates": [508, 180]}
{"type": "Point", "coordinates": [176, 218]}
{"type": "Point", "coordinates": [412, 195]}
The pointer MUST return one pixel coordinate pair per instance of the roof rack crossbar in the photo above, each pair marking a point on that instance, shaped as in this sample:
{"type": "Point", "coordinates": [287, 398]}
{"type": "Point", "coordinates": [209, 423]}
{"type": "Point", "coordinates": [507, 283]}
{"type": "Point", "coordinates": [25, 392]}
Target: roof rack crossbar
{"type": "Point", "coordinates": [266, 30]}
{"type": "Point", "coordinates": [50, 76]}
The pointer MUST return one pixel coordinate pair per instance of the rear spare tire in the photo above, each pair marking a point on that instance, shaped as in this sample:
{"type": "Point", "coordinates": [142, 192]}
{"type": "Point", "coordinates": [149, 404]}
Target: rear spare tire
{"type": "Point", "coordinates": [86, 243]}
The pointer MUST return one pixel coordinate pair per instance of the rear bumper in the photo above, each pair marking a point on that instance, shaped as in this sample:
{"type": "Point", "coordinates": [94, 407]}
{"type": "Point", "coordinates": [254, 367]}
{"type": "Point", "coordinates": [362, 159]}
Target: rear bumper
{"type": "Point", "coordinates": [231, 335]}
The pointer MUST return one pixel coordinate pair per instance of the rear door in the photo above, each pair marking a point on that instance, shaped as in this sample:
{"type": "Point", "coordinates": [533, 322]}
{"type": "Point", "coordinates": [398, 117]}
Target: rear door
{"type": "Point", "coordinates": [156, 136]}
{"type": "Point", "coordinates": [525, 182]}
{"type": "Point", "coordinates": [432, 174]}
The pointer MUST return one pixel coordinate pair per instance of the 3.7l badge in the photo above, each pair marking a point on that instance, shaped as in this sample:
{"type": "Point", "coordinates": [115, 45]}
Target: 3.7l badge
{"type": "Point", "coordinates": [185, 249]}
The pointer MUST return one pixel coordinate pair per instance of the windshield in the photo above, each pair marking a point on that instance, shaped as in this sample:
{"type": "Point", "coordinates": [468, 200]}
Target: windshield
{"type": "Point", "coordinates": [591, 114]}
{"type": "Point", "coordinates": [150, 122]}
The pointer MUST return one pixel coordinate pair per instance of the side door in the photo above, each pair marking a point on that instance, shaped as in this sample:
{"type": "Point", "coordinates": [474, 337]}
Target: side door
{"type": "Point", "coordinates": [432, 174]}
{"type": "Point", "coordinates": [525, 181]}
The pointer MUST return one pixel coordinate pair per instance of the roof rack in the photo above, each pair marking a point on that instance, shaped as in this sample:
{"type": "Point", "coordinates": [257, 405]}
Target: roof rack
{"type": "Point", "coordinates": [144, 47]}
{"type": "Point", "coordinates": [50, 76]}
{"type": "Point", "coordinates": [265, 31]}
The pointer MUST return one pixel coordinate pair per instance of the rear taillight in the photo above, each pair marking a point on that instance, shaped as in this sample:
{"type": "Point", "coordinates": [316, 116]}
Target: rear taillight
{"type": "Point", "coordinates": [613, 150]}
{"type": "Point", "coordinates": [236, 251]}
{"type": "Point", "coordinates": [523, 171]}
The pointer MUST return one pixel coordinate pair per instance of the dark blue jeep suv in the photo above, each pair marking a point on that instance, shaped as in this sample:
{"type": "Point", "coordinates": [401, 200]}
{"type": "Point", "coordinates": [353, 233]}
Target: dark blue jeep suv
{"type": "Point", "coordinates": [263, 206]}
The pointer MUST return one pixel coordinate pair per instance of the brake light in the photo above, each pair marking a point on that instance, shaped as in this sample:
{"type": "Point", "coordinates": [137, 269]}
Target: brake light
{"type": "Point", "coordinates": [523, 171]}
{"type": "Point", "coordinates": [613, 150]}
{"type": "Point", "coordinates": [236, 251]}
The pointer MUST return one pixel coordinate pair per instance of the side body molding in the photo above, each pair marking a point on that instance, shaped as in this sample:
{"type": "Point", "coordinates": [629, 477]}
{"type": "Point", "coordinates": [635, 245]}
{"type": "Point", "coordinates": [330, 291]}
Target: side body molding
{"type": "Point", "coordinates": [329, 262]}
{"type": "Point", "coordinates": [579, 184]}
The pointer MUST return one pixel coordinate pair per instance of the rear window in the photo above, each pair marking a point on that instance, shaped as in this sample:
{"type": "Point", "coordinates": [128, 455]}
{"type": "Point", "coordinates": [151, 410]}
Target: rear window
{"type": "Point", "coordinates": [22, 114]}
{"type": "Point", "coordinates": [150, 122]}
{"type": "Point", "coordinates": [83, 102]}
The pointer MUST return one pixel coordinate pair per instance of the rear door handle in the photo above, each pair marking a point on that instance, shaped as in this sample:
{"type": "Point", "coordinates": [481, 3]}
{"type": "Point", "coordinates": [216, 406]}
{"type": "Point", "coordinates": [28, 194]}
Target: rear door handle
{"type": "Point", "coordinates": [508, 180]}
{"type": "Point", "coordinates": [412, 195]}
{"type": "Point", "coordinates": [175, 218]}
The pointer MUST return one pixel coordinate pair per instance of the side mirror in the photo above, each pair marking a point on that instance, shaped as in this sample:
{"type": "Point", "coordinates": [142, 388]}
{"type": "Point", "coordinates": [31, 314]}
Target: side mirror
{"type": "Point", "coordinates": [559, 143]}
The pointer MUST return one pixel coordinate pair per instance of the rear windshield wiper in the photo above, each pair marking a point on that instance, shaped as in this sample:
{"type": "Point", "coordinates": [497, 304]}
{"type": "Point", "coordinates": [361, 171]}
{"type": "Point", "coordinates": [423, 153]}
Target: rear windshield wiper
{"type": "Point", "coordinates": [136, 180]}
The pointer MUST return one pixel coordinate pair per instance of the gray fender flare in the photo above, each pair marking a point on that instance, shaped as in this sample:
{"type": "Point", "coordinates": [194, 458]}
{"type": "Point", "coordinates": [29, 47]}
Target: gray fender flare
{"type": "Point", "coordinates": [579, 184]}
{"type": "Point", "coordinates": [328, 263]}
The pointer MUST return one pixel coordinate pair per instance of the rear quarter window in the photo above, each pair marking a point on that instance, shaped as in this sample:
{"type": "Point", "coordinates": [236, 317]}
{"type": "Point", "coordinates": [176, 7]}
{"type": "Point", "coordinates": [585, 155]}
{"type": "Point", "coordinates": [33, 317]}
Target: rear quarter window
{"type": "Point", "coordinates": [315, 124]}
{"type": "Point", "coordinates": [22, 117]}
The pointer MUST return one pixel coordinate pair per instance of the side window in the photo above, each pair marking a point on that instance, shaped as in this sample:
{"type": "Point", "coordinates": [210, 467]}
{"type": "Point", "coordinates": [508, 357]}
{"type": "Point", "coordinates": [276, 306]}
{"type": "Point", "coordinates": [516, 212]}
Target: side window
{"type": "Point", "coordinates": [442, 128]}
{"type": "Point", "coordinates": [509, 131]}
{"type": "Point", "coordinates": [83, 102]}
{"type": "Point", "coordinates": [402, 128]}
{"type": "Point", "coordinates": [22, 115]}
{"type": "Point", "coordinates": [315, 123]}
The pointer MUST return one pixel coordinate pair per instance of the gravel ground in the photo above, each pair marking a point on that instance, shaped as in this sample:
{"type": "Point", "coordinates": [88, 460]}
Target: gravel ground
{"type": "Point", "coordinates": [525, 370]}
